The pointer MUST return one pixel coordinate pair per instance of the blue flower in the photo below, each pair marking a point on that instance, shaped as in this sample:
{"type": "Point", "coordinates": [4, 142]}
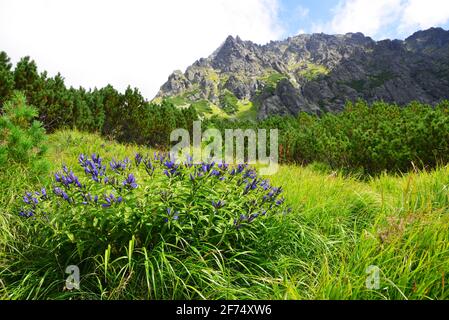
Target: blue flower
{"type": "Point", "coordinates": [206, 167]}
{"type": "Point", "coordinates": [215, 173]}
{"type": "Point", "coordinates": [130, 182]}
{"type": "Point", "coordinates": [26, 200]}
{"type": "Point", "coordinates": [57, 191]}
{"type": "Point", "coordinates": [110, 200]}
{"type": "Point", "coordinates": [250, 186]}
{"type": "Point", "coordinates": [189, 161]}
{"type": "Point", "coordinates": [171, 173]}
{"type": "Point", "coordinates": [172, 215]}
{"type": "Point", "coordinates": [223, 166]}
{"type": "Point", "coordinates": [65, 196]}
{"type": "Point", "coordinates": [87, 198]}
{"type": "Point", "coordinates": [149, 168]}
{"type": "Point", "coordinates": [138, 159]}
{"type": "Point", "coordinates": [252, 217]}
{"type": "Point", "coordinates": [280, 201]}
{"type": "Point", "coordinates": [219, 204]}
{"type": "Point", "coordinates": [117, 165]}
{"type": "Point", "coordinates": [26, 214]}
{"type": "Point", "coordinates": [169, 164]}
{"type": "Point", "coordinates": [82, 160]}
{"type": "Point", "coordinates": [96, 159]}
{"type": "Point", "coordinates": [241, 167]}
{"type": "Point", "coordinates": [159, 157]}
{"type": "Point", "coordinates": [265, 185]}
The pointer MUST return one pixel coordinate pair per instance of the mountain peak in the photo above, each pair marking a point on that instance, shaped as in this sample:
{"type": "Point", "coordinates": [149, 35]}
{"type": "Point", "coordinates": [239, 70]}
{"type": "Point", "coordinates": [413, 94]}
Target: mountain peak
{"type": "Point", "coordinates": [429, 41]}
{"type": "Point", "coordinates": [316, 72]}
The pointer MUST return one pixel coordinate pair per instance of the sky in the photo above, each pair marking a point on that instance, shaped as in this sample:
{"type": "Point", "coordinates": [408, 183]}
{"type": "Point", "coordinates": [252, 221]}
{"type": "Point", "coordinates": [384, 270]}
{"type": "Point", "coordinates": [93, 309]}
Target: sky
{"type": "Point", "coordinates": [93, 43]}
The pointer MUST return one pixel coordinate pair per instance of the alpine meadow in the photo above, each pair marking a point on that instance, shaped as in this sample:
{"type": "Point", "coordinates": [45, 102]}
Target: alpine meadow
{"type": "Point", "coordinates": [96, 206]}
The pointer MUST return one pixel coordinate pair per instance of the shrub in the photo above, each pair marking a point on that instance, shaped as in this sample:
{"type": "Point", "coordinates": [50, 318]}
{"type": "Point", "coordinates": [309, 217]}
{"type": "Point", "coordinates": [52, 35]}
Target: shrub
{"type": "Point", "coordinates": [22, 139]}
{"type": "Point", "coordinates": [123, 219]}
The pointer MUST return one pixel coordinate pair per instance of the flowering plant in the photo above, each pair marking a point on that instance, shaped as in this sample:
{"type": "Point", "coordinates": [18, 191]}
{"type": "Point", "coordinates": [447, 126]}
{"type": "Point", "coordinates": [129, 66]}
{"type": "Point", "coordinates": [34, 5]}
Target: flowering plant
{"type": "Point", "coordinates": [152, 202]}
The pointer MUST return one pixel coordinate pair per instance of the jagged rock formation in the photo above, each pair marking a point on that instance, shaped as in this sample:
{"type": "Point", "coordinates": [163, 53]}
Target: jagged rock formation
{"type": "Point", "coordinates": [317, 73]}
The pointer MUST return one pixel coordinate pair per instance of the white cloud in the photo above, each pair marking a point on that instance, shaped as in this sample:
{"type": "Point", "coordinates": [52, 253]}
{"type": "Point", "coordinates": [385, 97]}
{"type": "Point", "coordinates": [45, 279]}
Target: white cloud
{"type": "Point", "coordinates": [365, 16]}
{"type": "Point", "coordinates": [423, 14]}
{"type": "Point", "coordinates": [136, 42]}
{"type": "Point", "coordinates": [382, 18]}
{"type": "Point", "coordinates": [302, 12]}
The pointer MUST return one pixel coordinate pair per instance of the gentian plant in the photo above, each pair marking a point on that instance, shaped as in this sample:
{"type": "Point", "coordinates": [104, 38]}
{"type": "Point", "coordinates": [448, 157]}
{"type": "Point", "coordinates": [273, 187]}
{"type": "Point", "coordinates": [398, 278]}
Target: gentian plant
{"type": "Point", "coordinates": [153, 201]}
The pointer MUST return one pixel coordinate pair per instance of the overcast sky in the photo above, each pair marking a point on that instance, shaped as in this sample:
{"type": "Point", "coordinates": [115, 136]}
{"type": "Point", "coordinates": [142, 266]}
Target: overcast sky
{"type": "Point", "coordinates": [136, 42]}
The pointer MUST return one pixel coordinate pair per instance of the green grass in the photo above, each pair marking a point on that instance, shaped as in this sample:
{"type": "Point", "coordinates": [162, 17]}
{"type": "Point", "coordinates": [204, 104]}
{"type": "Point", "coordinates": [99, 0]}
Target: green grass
{"type": "Point", "coordinates": [339, 227]}
{"type": "Point", "coordinates": [313, 71]}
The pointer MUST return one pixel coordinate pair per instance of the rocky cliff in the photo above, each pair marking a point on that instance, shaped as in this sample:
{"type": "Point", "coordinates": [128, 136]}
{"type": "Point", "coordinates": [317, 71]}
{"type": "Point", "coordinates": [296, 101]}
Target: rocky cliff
{"type": "Point", "coordinates": [314, 73]}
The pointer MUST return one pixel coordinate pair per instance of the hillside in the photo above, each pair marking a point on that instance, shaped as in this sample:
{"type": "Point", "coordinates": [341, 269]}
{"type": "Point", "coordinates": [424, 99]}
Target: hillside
{"type": "Point", "coordinates": [339, 227]}
{"type": "Point", "coordinates": [313, 73]}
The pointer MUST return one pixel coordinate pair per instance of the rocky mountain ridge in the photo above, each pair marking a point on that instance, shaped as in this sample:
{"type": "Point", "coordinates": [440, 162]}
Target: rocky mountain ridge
{"type": "Point", "coordinates": [314, 73]}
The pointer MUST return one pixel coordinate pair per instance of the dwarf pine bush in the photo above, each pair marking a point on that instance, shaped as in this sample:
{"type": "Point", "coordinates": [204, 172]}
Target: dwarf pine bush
{"type": "Point", "coordinates": [22, 139]}
{"type": "Point", "coordinates": [137, 212]}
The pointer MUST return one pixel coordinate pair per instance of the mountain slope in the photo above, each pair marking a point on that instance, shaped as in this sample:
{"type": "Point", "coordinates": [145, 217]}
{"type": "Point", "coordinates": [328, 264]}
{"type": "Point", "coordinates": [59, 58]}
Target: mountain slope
{"type": "Point", "coordinates": [313, 73]}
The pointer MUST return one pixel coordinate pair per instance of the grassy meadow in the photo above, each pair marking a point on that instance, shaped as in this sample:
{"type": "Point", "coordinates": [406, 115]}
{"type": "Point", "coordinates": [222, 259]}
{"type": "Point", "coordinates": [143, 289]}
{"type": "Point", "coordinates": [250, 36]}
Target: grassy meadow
{"type": "Point", "coordinates": [339, 226]}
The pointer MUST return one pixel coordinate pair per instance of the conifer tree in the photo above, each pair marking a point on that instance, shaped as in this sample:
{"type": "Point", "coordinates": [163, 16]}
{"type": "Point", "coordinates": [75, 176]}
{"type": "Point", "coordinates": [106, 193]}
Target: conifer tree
{"type": "Point", "coordinates": [6, 78]}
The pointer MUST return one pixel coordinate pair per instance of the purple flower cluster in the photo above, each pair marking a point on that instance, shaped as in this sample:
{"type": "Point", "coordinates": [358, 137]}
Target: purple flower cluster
{"type": "Point", "coordinates": [149, 167]}
{"type": "Point", "coordinates": [110, 200]}
{"type": "Point", "coordinates": [138, 158]}
{"type": "Point", "coordinates": [130, 182]}
{"type": "Point", "coordinates": [119, 166]}
{"type": "Point", "coordinates": [219, 204]}
{"type": "Point", "coordinates": [67, 178]}
{"type": "Point", "coordinates": [31, 200]}
{"type": "Point", "coordinates": [61, 193]}
{"type": "Point", "coordinates": [257, 195]}
{"type": "Point", "coordinates": [171, 168]}
{"type": "Point", "coordinates": [238, 223]}
{"type": "Point", "coordinates": [88, 199]}
{"type": "Point", "coordinates": [93, 167]}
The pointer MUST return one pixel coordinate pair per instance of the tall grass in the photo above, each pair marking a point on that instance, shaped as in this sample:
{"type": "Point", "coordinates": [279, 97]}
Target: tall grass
{"type": "Point", "coordinates": [339, 227]}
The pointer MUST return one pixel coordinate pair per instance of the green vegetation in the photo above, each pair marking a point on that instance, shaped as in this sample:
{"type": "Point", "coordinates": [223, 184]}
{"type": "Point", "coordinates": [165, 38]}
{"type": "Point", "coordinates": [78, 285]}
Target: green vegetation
{"type": "Point", "coordinates": [22, 139]}
{"type": "Point", "coordinates": [202, 106]}
{"type": "Point", "coordinates": [247, 111]}
{"type": "Point", "coordinates": [364, 139]}
{"type": "Point", "coordinates": [357, 85]}
{"type": "Point", "coordinates": [339, 227]}
{"type": "Point", "coordinates": [125, 117]}
{"type": "Point", "coordinates": [365, 187]}
{"type": "Point", "coordinates": [312, 71]}
{"type": "Point", "coordinates": [373, 81]}
{"type": "Point", "coordinates": [178, 101]}
{"type": "Point", "coordinates": [379, 79]}
{"type": "Point", "coordinates": [229, 102]}
{"type": "Point", "coordinates": [271, 81]}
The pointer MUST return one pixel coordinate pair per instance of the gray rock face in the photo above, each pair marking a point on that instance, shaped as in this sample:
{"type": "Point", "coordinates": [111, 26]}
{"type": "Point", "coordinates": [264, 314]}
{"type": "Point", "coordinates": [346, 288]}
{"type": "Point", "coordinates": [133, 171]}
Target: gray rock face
{"type": "Point", "coordinates": [319, 73]}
